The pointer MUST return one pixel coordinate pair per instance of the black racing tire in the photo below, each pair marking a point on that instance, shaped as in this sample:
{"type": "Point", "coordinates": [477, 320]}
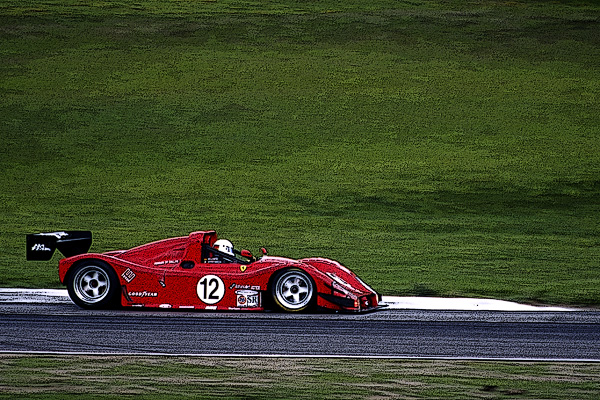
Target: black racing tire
{"type": "Point", "coordinates": [293, 290]}
{"type": "Point", "coordinates": [93, 284]}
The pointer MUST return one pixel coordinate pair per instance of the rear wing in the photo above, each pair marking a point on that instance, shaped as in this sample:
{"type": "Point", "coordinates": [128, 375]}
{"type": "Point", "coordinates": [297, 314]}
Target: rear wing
{"type": "Point", "coordinates": [41, 246]}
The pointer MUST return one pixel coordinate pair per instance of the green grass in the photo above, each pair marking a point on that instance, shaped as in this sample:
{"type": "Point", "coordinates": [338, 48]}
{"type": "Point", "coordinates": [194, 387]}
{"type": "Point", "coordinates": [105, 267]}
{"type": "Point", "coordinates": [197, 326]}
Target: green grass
{"type": "Point", "coordinates": [102, 377]}
{"type": "Point", "coordinates": [441, 147]}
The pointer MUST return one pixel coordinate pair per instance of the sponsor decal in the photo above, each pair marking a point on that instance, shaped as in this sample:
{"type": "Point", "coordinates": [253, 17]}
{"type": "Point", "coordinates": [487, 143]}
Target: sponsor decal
{"type": "Point", "coordinates": [248, 298]}
{"type": "Point", "coordinates": [167, 262]}
{"type": "Point", "coordinates": [236, 286]}
{"type": "Point", "coordinates": [243, 268]}
{"type": "Point", "coordinates": [210, 289]}
{"type": "Point", "coordinates": [165, 306]}
{"type": "Point", "coordinates": [40, 247]}
{"type": "Point", "coordinates": [142, 294]}
{"type": "Point", "coordinates": [128, 275]}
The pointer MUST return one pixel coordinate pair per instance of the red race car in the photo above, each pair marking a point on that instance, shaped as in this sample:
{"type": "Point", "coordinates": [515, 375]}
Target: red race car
{"type": "Point", "coordinates": [199, 272]}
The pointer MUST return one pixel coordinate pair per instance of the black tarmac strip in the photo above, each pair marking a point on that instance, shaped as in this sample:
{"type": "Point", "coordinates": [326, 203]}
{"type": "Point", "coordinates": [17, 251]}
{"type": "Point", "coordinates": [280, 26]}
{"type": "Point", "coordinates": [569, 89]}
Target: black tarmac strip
{"type": "Point", "coordinates": [428, 334]}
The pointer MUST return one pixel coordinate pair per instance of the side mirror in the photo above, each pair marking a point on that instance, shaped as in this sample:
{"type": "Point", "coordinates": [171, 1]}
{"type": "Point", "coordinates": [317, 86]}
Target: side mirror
{"type": "Point", "coordinates": [264, 251]}
{"type": "Point", "coordinates": [246, 253]}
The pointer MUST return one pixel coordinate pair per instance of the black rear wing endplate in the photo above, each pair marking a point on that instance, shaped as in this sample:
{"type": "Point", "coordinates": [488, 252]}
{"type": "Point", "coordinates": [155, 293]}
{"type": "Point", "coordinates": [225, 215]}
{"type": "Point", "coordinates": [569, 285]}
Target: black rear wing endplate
{"type": "Point", "coordinates": [41, 246]}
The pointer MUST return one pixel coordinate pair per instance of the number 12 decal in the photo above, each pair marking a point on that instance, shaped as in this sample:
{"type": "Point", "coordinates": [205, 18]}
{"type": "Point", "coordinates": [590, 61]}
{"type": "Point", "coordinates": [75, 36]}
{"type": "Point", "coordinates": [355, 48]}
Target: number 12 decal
{"type": "Point", "coordinates": [210, 289]}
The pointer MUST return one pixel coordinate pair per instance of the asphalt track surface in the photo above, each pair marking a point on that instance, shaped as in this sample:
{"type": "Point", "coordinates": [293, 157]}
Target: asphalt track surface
{"type": "Point", "coordinates": [65, 328]}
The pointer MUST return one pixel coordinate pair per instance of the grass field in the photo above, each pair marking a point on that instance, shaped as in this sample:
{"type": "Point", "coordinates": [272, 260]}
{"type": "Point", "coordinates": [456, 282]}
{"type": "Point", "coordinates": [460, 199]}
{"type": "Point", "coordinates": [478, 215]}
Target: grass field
{"type": "Point", "coordinates": [446, 148]}
{"type": "Point", "coordinates": [104, 377]}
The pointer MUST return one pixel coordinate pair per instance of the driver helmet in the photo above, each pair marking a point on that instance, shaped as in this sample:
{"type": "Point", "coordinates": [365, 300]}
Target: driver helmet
{"type": "Point", "coordinates": [224, 245]}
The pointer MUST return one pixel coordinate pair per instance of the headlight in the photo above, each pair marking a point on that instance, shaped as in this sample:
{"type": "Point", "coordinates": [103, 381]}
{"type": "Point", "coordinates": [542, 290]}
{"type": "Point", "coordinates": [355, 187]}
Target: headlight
{"type": "Point", "coordinates": [337, 287]}
{"type": "Point", "coordinates": [339, 280]}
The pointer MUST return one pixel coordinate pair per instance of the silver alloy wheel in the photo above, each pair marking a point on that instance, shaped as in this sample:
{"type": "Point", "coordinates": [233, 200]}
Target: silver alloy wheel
{"type": "Point", "coordinates": [91, 284]}
{"type": "Point", "coordinates": [294, 290]}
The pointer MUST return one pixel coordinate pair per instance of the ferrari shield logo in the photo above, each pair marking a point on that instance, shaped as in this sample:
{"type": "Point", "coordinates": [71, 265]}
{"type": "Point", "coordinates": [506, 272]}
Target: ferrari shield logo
{"type": "Point", "coordinates": [243, 268]}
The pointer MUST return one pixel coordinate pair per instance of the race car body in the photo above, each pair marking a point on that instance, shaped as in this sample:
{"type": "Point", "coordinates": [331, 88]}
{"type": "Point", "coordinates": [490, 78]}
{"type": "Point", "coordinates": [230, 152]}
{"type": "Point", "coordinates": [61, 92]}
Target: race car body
{"type": "Point", "coordinates": [191, 273]}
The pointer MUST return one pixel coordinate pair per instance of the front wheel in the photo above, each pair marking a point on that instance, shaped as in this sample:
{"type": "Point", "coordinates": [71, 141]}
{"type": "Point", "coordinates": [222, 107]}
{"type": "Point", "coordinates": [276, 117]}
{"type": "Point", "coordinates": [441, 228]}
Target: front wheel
{"type": "Point", "coordinates": [93, 284]}
{"type": "Point", "coordinates": [293, 290]}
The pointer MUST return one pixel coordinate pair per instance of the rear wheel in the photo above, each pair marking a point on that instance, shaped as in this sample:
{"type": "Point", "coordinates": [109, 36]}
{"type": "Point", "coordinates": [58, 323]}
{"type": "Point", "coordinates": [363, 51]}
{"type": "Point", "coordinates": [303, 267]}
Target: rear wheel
{"type": "Point", "coordinates": [293, 290]}
{"type": "Point", "coordinates": [93, 284]}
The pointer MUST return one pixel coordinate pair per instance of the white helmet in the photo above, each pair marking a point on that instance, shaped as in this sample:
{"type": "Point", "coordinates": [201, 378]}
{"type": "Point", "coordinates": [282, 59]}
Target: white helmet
{"type": "Point", "coordinates": [224, 245]}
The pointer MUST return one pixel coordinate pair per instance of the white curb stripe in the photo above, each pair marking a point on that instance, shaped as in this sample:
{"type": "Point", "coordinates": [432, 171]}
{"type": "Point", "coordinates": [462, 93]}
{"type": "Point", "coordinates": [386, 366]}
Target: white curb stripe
{"type": "Point", "coordinates": [60, 296]}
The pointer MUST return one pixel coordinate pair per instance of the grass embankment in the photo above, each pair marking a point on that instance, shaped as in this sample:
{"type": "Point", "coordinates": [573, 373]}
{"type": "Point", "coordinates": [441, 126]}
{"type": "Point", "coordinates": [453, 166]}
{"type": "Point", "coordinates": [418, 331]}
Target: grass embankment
{"type": "Point", "coordinates": [99, 377]}
{"type": "Point", "coordinates": [439, 148]}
